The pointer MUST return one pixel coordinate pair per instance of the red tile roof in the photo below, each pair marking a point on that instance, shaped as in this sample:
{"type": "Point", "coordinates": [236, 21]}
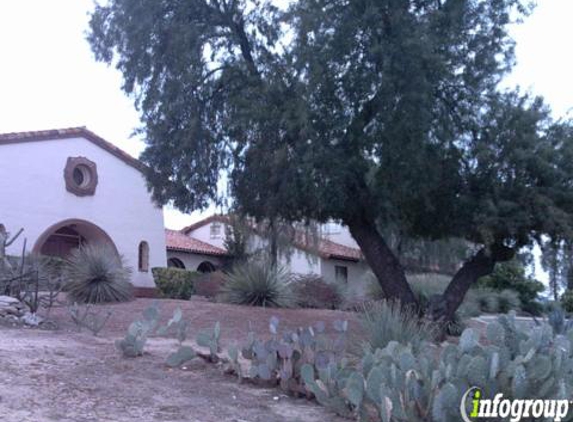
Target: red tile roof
{"type": "Point", "coordinates": [178, 241]}
{"type": "Point", "coordinates": [332, 250]}
{"type": "Point", "coordinates": [326, 248]}
{"type": "Point", "coordinates": [74, 132]}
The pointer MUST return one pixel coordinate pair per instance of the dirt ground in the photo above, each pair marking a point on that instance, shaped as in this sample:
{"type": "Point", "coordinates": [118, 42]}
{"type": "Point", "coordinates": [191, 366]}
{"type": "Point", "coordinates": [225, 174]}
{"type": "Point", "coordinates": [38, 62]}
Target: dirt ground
{"type": "Point", "coordinates": [65, 375]}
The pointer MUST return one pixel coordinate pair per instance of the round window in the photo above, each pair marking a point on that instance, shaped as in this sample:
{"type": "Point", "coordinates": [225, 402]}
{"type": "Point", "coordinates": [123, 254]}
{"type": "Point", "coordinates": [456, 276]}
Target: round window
{"type": "Point", "coordinates": [81, 176]}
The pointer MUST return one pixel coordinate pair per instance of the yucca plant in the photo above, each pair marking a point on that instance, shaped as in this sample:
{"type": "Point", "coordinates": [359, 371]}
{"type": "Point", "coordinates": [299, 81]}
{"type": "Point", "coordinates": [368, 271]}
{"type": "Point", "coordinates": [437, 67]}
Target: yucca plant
{"type": "Point", "coordinates": [388, 321]}
{"type": "Point", "coordinates": [259, 284]}
{"type": "Point", "coordinates": [94, 273]}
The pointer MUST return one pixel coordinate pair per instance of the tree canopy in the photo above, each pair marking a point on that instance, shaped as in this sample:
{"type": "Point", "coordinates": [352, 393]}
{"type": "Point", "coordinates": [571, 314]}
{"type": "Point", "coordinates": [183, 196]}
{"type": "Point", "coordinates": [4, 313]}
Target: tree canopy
{"type": "Point", "coordinates": [371, 112]}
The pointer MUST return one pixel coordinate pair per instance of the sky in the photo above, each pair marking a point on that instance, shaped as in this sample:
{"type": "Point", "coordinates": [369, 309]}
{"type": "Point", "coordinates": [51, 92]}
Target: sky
{"type": "Point", "coordinates": [50, 79]}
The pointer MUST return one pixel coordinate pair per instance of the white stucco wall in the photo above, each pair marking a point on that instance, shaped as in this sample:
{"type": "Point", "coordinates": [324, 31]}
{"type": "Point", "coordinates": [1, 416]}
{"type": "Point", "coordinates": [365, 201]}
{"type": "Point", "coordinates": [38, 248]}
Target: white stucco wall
{"type": "Point", "coordinates": [301, 262]}
{"type": "Point", "coordinates": [34, 196]}
{"type": "Point", "coordinates": [192, 260]}
{"type": "Point", "coordinates": [356, 274]}
{"type": "Point", "coordinates": [203, 233]}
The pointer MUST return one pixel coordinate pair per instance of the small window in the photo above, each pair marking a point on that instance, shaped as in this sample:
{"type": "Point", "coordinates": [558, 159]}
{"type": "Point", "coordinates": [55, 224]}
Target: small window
{"type": "Point", "coordinates": [143, 261]}
{"type": "Point", "coordinates": [175, 263]}
{"type": "Point", "coordinates": [215, 230]}
{"type": "Point", "coordinates": [341, 274]}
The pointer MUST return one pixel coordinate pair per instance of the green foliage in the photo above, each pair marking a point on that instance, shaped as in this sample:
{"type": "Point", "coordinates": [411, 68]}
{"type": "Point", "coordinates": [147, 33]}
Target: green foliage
{"type": "Point", "coordinates": [398, 383]}
{"type": "Point", "coordinates": [292, 357]}
{"type": "Point", "coordinates": [567, 300]}
{"type": "Point", "coordinates": [511, 276]}
{"type": "Point", "coordinates": [314, 292]}
{"type": "Point", "coordinates": [259, 284]}
{"type": "Point", "coordinates": [175, 283]}
{"type": "Point", "coordinates": [133, 344]}
{"type": "Point", "coordinates": [327, 111]}
{"type": "Point", "coordinates": [387, 321]}
{"type": "Point", "coordinates": [481, 300]}
{"type": "Point", "coordinates": [96, 274]}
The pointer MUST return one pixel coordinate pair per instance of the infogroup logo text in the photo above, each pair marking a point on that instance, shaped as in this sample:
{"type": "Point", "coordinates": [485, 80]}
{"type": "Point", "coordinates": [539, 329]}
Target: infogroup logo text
{"type": "Point", "coordinates": [512, 410]}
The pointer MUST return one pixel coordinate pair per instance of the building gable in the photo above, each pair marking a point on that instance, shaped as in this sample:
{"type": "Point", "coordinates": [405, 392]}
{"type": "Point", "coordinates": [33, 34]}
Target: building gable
{"type": "Point", "coordinates": [77, 132]}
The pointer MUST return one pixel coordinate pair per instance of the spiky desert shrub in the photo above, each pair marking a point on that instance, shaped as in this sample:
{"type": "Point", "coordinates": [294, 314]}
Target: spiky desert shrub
{"type": "Point", "coordinates": [314, 292]}
{"type": "Point", "coordinates": [94, 273]}
{"type": "Point", "coordinates": [175, 283]}
{"type": "Point", "coordinates": [388, 321]}
{"type": "Point", "coordinates": [259, 284]}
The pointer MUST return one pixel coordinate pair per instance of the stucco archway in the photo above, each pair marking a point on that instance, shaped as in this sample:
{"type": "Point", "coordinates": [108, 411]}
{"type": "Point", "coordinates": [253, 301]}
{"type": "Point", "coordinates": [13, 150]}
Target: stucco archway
{"type": "Point", "coordinates": [59, 239]}
{"type": "Point", "coordinates": [206, 267]}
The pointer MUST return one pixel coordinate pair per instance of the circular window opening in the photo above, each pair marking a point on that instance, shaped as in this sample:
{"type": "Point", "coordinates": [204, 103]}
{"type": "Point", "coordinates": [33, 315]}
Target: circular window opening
{"type": "Point", "coordinates": [82, 176]}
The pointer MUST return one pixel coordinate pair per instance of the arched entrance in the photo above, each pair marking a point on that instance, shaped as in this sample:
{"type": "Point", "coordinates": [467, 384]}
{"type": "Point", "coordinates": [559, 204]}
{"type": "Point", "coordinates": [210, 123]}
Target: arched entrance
{"type": "Point", "coordinates": [206, 267]}
{"type": "Point", "coordinates": [61, 238]}
{"type": "Point", "coordinates": [175, 263]}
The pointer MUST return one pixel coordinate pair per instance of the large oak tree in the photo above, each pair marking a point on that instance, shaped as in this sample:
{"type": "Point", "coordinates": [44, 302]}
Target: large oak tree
{"type": "Point", "coordinates": [370, 112]}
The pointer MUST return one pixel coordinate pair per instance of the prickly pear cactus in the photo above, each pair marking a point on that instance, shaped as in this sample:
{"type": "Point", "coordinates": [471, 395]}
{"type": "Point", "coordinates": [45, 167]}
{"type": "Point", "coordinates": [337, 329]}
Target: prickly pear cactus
{"type": "Point", "coordinates": [284, 356]}
{"type": "Point", "coordinates": [133, 343]}
{"type": "Point", "coordinates": [396, 384]}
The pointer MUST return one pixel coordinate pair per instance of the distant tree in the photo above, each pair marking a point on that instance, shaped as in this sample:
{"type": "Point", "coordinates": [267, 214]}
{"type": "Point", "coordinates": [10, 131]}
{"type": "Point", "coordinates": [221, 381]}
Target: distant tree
{"type": "Point", "coordinates": [557, 261]}
{"type": "Point", "coordinates": [373, 113]}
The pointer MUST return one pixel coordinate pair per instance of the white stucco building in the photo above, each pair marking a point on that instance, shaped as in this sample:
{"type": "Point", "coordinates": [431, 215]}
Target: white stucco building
{"type": "Point", "coordinates": [69, 186]}
{"type": "Point", "coordinates": [201, 247]}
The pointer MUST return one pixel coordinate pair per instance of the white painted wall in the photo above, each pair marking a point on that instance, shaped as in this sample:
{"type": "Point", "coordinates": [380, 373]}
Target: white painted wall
{"type": "Point", "coordinates": [33, 195]}
{"type": "Point", "coordinates": [356, 274]}
{"type": "Point", "coordinates": [192, 260]}
{"type": "Point", "coordinates": [301, 262]}
{"type": "Point", "coordinates": [203, 233]}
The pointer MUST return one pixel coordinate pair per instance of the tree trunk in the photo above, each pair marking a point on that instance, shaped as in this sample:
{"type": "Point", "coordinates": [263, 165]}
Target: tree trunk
{"type": "Point", "coordinates": [478, 266]}
{"type": "Point", "coordinates": [382, 261]}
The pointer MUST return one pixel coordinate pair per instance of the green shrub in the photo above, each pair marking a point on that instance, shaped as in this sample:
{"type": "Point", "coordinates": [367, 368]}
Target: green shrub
{"type": "Point", "coordinates": [314, 292]}
{"type": "Point", "coordinates": [567, 300]}
{"type": "Point", "coordinates": [95, 274]}
{"type": "Point", "coordinates": [508, 300]}
{"type": "Point", "coordinates": [175, 283]}
{"type": "Point", "coordinates": [386, 321]}
{"type": "Point", "coordinates": [259, 284]}
{"type": "Point", "coordinates": [477, 301]}
{"type": "Point", "coordinates": [511, 276]}
{"type": "Point", "coordinates": [481, 300]}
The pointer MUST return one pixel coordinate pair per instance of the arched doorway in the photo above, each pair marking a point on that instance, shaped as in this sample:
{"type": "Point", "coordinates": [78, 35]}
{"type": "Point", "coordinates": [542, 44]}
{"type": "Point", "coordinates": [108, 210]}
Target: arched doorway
{"type": "Point", "coordinates": [206, 267]}
{"type": "Point", "coordinates": [175, 263]}
{"type": "Point", "coordinates": [61, 238]}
